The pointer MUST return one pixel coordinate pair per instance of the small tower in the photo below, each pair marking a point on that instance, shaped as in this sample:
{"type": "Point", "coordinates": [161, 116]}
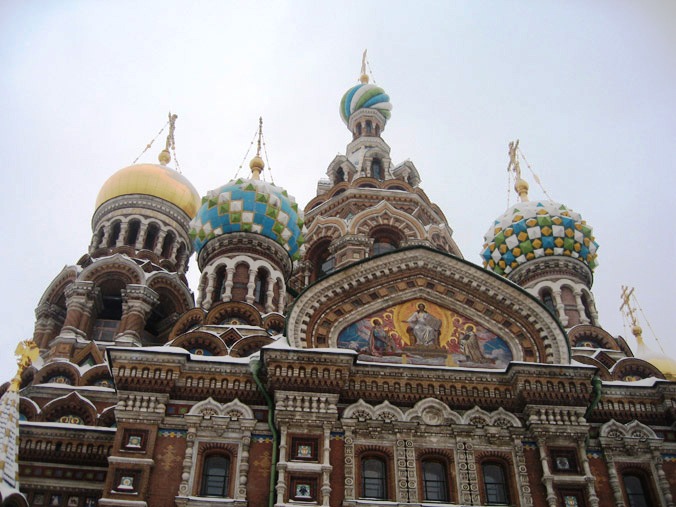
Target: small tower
{"type": "Point", "coordinates": [247, 234]}
{"type": "Point", "coordinates": [546, 248]}
{"type": "Point", "coordinates": [367, 206]}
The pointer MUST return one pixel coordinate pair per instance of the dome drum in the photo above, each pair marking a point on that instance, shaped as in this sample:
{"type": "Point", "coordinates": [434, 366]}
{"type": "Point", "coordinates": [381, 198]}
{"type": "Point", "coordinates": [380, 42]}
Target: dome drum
{"type": "Point", "coordinates": [538, 269]}
{"type": "Point", "coordinates": [240, 243]}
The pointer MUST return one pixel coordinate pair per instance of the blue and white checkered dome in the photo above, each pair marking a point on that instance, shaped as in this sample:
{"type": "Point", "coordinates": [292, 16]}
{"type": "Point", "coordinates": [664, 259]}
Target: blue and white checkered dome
{"type": "Point", "coordinates": [533, 229]}
{"type": "Point", "coordinates": [249, 205]}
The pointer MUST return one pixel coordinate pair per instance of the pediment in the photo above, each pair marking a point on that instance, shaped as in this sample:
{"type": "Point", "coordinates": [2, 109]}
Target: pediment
{"type": "Point", "coordinates": [461, 299]}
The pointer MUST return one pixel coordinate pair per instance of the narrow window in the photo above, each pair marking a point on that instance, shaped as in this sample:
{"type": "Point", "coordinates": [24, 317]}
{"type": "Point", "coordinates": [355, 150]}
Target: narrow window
{"type": "Point", "coordinates": [151, 237]}
{"type": "Point", "coordinates": [358, 129]}
{"type": "Point", "coordinates": [434, 481]}
{"type": "Point", "coordinates": [369, 127]}
{"type": "Point", "coordinates": [132, 232]}
{"type": "Point", "coordinates": [587, 308]}
{"type": "Point", "coordinates": [215, 476]}
{"type": "Point", "coordinates": [261, 286]}
{"type": "Point", "coordinates": [637, 493]}
{"type": "Point", "coordinates": [167, 244]}
{"type": "Point", "coordinates": [114, 234]}
{"type": "Point", "coordinates": [340, 175]}
{"type": "Point", "coordinates": [374, 483]}
{"type": "Point", "coordinates": [495, 484]}
{"type": "Point", "coordinates": [377, 169]}
{"type": "Point", "coordinates": [548, 300]}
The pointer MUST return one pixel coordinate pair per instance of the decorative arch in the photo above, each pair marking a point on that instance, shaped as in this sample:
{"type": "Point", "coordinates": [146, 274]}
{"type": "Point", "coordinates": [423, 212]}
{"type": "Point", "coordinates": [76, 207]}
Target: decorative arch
{"type": "Point", "coordinates": [250, 344]}
{"type": "Point", "coordinates": [99, 376]}
{"type": "Point", "coordinates": [387, 412]}
{"type": "Point", "coordinates": [321, 228]}
{"type": "Point", "coordinates": [632, 368]}
{"type": "Point", "coordinates": [57, 287]}
{"type": "Point", "coordinates": [384, 214]}
{"type": "Point", "coordinates": [233, 410]}
{"type": "Point", "coordinates": [115, 265]}
{"type": "Point", "coordinates": [633, 429]}
{"type": "Point", "coordinates": [328, 306]}
{"type": "Point", "coordinates": [71, 404]}
{"type": "Point", "coordinates": [234, 309]}
{"type": "Point", "coordinates": [29, 409]}
{"type": "Point", "coordinates": [201, 343]}
{"type": "Point", "coordinates": [432, 412]}
{"type": "Point", "coordinates": [107, 417]}
{"type": "Point", "coordinates": [61, 372]}
{"type": "Point", "coordinates": [187, 321]}
{"type": "Point", "coordinates": [585, 333]}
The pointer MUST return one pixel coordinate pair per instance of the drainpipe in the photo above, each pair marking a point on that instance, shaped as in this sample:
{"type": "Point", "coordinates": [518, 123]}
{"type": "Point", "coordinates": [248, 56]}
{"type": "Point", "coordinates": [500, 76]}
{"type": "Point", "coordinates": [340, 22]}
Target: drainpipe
{"type": "Point", "coordinates": [255, 365]}
{"type": "Point", "coordinates": [596, 395]}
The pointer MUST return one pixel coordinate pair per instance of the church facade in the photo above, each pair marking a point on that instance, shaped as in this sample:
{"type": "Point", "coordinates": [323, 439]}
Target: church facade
{"type": "Point", "coordinates": [341, 355]}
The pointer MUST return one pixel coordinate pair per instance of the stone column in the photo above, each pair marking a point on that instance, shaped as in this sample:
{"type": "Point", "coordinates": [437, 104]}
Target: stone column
{"type": "Point", "coordinates": [83, 300]}
{"type": "Point", "coordinates": [140, 239]}
{"type": "Point", "coordinates": [209, 291]}
{"type": "Point", "coordinates": [588, 476]}
{"type": "Point", "coordinates": [229, 282]}
{"type": "Point", "coordinates": [184, 488]}
{"type": "Point", "coordinates": [124, 226]}
{"type": "Point", "coordinates": [326, 466]}
{"type": "Point", "coordinates": [251, 286]}
{"type": "Point", "coordinates": [580, 308]}
{"type": "Point", "coordinates": [159, 241]}
{"type": "Point", "coordinates": [662, 481]}
{"type": "Point", "coordinates": [280, 488]}
{"type": "Point", "coordinates": [137, 302]}
{"type": "Point", "coordinates": [49, 319]}
{"type": "Point", "coordinates": [560, 307]}
{"type": "Point", "coordinates": [547, 478]}
{"type": "Point", "coordinates": [614, 479]}
{"type": "Point", "coordinates": [247, 428]}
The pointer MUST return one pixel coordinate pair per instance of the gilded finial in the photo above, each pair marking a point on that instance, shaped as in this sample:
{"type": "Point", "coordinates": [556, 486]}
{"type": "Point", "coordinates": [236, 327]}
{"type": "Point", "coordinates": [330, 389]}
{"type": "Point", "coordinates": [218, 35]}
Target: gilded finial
{"type": "Point", "coordinates": [364, 78]}
{"type": "Point", "coordinates": [257, 163]}
{"type": "Point", "coordinates": [28, 352]}
{"type": "Point", "coordinates": [636, 330]}
{"type": "Point", "coordinates": [520, 185]}
{"type": "Point", "coordinates": [164, 156]}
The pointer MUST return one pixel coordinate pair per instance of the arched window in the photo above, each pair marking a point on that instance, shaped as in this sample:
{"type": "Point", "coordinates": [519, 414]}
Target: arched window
{"type": "Point", "coordinates": [435, 484]}
{"type": "Point", "coordinates": [215, 476]}
{"type": "Point", "coordinates": [98, 240]}
{"type": "Point", "coordinates": [261, 286]}
{"type": "Point", "coordinates": [340, 175]}
{"type": "Point", "coordinates": [373, 478]}
{"type": "Point", "coordinates": [369, 127]}
{"type": "Point", "coordinates": [495, 484]}
{"type": "Point", "coordinates": [548, 300]}
{"type": "Point", "coordinates": [167, 244]}
{"type": "Point", "coordinates": [637, 492]}
{"type": "Point", "coordinates": [322, 262]}
{"type": "Point", "coordinates": [358, 129]}
{"type": "Point", "coordinates": [114, 234]}
{"type": "Point", "coordinates": [377, 169]}
{"type": "Point", "coordinates": [132, 232]}
{"type": "Point", "coordinates": [587, 307]}
{"type": "Point", "coordinates": [377, 129]}
{"type": "Point", "coordinates": [385, 240]}
{"type": "Point", "coordinates": [219, 284]}
{"type": "Point", "coordinates": [151, 237]}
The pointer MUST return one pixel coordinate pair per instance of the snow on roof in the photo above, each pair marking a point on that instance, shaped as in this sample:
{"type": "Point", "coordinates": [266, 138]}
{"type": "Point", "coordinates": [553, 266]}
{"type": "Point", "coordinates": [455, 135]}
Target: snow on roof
{"type": "Point", "coordinates": [644, 382]}
{"type": "Point", "coordinates": [67, 426]}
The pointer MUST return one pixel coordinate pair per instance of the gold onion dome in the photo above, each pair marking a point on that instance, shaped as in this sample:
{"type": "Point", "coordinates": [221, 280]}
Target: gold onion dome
{"type": "Point", "coordinates": [155, 180]}
{"type": "Point", "coordinates": [662, 362]}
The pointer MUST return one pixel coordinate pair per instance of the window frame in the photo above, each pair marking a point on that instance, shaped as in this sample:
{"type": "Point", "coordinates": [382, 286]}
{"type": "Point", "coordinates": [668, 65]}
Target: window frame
{"type": "Point", "coordinates": [446, 497]}
{"type": "Point", "coordinates": [204, 475]}
{"type": "Point", "coordinates": [506, 489]}
{"type": "Point", "coordinates": [644, 482]}
{"type": "Point", "coordinates": [384, 486]}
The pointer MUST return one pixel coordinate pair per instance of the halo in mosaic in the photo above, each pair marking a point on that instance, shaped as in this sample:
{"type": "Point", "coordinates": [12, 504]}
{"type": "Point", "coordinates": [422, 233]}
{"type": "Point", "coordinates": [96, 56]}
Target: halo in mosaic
{"type": "Point", "coordinates": [365, 96]}
{"type": "Point", "coordinates": [533, 229]}
{"type": "Point", "coordinates": [255, 206]}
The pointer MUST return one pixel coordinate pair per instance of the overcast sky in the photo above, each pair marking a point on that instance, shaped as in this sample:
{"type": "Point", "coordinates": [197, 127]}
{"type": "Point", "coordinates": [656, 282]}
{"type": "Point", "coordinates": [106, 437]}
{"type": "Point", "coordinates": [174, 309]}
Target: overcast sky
{"type": "Point", "coordinates": [587, 87]}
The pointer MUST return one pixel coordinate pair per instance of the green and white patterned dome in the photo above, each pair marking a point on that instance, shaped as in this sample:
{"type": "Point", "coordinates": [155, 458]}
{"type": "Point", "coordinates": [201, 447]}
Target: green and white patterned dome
{"type": "Point", "coordinates": [249, 205]}
{"type": "Point", "coordinates": [534, 229]}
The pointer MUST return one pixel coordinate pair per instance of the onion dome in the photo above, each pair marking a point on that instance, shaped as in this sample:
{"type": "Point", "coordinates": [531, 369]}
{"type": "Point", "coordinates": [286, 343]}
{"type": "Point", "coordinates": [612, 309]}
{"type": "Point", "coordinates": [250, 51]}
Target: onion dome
{"type": "Point", "coordinates": [534, 229]}
{"type": "Point", "coordinates": [154, 180]}
{"type": "Point", "coordinates": [249, 205]}
{"type": "Point", "coordinates": [365, 96]}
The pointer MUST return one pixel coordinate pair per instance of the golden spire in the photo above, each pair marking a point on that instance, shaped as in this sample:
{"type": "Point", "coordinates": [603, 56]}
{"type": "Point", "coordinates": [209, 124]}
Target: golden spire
{"type": "Point", "coordinates": [631, 313]}
{"type": "Point", "coordinates": [164, 156]}
{"type": "Point", "coordinates": [257, 163]}
{"type": "Point", "coordinates": [28, 352]}
{"type": "Point", "coordinates": [364, 78]}
{"type": "Point", "coordinates": [520, 185]}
